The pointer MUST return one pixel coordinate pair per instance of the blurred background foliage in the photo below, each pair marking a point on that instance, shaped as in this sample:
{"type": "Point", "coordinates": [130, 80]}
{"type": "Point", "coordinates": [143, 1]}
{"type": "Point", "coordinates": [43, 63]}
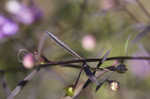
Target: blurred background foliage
{"type": "Point", "coordinates": [103, 24]}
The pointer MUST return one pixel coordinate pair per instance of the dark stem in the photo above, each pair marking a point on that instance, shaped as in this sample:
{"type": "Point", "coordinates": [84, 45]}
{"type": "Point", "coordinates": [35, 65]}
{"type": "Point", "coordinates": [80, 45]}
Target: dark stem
{"type": "Point", "coordinates": [24, 82]}
{"type": "Point", "coordinates": [93, 60]}
{"type": "Point", "coordinates": [77, 80]}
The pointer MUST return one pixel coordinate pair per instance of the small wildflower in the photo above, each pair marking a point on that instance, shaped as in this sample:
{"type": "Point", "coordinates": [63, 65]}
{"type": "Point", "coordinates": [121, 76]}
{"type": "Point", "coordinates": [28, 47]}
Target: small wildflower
{"type": "Point", "coordinates": [24, 14]}
{"type": "Point", "coordinates": [7, 27]}
{"type": "Point", "coordinates": [88, 42]}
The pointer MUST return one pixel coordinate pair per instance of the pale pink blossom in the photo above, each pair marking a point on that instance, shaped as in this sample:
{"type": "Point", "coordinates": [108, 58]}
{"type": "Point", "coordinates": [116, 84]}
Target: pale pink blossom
{"type": "Point", "coordinates": [28, 61]}
{"type": "Point", "coordinates": [88, 42]}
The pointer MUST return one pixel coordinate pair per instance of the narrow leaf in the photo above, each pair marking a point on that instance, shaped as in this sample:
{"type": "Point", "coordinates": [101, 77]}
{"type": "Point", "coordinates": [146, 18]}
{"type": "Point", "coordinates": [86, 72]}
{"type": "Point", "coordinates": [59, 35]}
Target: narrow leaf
{"type": "Point", "coordinates": [63, 45]}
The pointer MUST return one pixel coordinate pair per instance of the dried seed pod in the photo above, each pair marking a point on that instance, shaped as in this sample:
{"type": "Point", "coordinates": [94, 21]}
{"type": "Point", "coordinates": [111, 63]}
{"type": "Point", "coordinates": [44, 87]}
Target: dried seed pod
{"type": "Point", "coordinates": [114, 85]}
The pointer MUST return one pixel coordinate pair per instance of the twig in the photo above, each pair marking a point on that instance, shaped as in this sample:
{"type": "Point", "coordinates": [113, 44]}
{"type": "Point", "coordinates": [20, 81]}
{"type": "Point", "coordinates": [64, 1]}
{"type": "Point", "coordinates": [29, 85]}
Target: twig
{"type": "Point", "coordinates": [22, 83]}
{"type": "Point", "coordinates": [78, 91]}
{"type": "Point", "coordinates": [93, 60]}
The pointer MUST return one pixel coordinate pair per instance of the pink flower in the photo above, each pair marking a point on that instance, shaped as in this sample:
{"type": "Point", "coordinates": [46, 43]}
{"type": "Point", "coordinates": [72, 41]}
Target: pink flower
{"type": "Point", "coordinates": [88, 42]}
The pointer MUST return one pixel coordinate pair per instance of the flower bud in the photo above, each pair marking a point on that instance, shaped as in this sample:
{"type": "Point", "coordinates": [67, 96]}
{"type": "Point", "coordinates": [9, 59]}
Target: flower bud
{"type": "Point", "coordinates": [28, 61]}
{"type": "Point", "coordinates": [121, 68]}
{"type": "Point", "coordinates": [114, 85]}
{"type": "Point", "coordinates": [69, 91]}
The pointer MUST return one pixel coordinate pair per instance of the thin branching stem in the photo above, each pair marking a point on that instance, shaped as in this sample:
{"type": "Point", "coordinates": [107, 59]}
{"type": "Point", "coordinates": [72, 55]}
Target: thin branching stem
{"type": "Point", "coordinates": [24, 82]}
{"type": "Point", "coordinates": [93, 60]}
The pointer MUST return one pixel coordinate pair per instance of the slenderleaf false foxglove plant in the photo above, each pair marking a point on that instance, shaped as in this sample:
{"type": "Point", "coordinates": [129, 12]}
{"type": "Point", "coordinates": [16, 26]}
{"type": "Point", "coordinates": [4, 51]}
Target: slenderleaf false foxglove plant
{"type": "Point", "coordinates": [91, 72]}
